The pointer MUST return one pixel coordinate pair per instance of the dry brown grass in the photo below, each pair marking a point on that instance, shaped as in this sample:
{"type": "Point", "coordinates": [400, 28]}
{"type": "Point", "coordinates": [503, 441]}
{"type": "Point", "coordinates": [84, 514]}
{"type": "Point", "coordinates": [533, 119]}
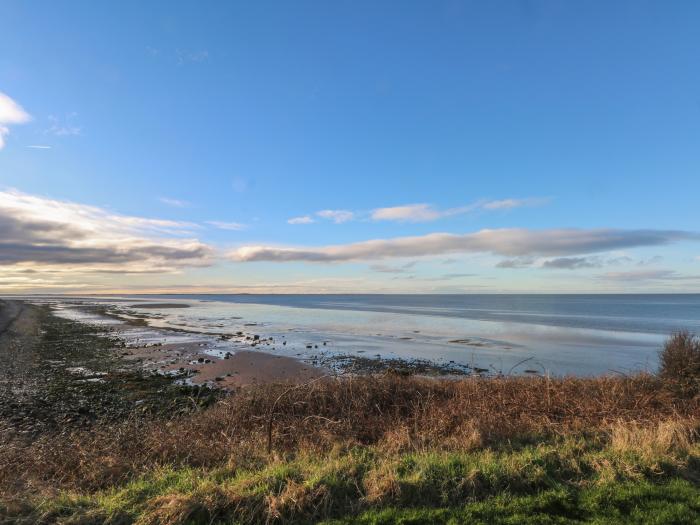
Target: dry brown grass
{"type": "Point", "coordinates": [679, 362]}
{"type": "Point", "coordinates": [664, 437]}
{"type": "Point", "coordinates": [397, 414]}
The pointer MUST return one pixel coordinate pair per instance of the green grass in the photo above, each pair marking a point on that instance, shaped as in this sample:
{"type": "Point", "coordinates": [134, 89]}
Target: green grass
{"type": "Point", "coordinates": [563, 482]}
{"type": "Point", "coordinates": [676, 502]}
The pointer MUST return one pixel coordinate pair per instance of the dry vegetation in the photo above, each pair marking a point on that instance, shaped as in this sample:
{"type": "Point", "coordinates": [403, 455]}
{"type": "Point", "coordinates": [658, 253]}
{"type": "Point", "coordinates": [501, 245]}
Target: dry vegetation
{"type": "Point", "coordinates": [386, 419]}
{"type": "Point", "coordinates": [381, 449]}
{"type": "Point", "coordinates": [679, 363]}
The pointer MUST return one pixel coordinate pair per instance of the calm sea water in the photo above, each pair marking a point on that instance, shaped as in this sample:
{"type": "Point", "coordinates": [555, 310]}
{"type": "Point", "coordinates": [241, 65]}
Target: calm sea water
{"type": "Point", "coordinates": [649, 313]}
{"type": "Point", "coordinates": [560, 334]}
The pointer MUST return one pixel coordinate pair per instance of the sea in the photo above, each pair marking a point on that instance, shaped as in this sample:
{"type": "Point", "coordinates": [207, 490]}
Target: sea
{"type": "Point", "coordinates": [555, 334]}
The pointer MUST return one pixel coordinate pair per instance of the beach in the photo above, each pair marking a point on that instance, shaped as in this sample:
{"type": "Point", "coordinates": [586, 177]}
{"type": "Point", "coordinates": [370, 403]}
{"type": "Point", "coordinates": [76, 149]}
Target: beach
{"type": "Point", "coordinates": [513, 334]}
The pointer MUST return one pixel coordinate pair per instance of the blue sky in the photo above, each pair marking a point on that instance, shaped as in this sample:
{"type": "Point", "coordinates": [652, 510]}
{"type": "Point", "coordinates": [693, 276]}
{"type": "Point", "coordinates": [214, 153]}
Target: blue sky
{"type": "Point", "coordinates": [559, 120]}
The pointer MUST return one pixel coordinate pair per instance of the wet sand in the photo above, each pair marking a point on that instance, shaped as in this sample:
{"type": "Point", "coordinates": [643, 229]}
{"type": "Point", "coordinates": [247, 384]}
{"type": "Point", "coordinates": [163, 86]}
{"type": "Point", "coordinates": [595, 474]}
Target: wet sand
{"type": "Point", "coordinates": [232, 370]}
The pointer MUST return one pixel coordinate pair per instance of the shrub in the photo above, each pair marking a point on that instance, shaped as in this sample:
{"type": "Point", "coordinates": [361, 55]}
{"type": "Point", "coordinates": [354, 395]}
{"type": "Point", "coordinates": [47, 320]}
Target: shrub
{"type": "Point", "coordinates": [680, 362]}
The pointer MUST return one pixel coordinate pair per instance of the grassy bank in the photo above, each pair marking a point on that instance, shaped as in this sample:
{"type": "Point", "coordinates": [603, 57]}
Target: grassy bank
{"type": "Point", "coordinates": [645, 477]}
{"type": "Point", "coordinates": [384, 448]}
{"type": "Point", "coordinates": [378, 449]}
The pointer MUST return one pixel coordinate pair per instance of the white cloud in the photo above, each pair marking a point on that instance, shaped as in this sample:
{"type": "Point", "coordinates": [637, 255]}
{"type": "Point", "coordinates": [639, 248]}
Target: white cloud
{"type": "Point", "coordinates": [407, 213]}
{"type": "Point", "coordinates": [420, 212]}
{"type": "Point", "coordinates": [47, 233]}
{"type": "Point", "coordinates": [425, 212]}
{"type": "Point", "coordinates": [305, 219]}
{"type": "Point", "coordinates": [177, 203]}
{"type": "Point", "coordinates": [39, 146]}
{"type": "Point", "coordinates": [337, 216]}
{"type": "Point", "coordinates": [509, 204]}
{"type": "Point", "coordinates": [11, 113]}
{"type": "Point", "coordinates": [233, 226]}
{"type": "Point", "coordinates": [506, 242]}
{"type": "Point", "coordinates": [63, 127]}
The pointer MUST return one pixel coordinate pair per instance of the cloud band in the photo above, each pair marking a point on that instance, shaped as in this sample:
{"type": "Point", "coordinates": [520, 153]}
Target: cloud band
{"type": "Point", "coordinates": [505, 242]}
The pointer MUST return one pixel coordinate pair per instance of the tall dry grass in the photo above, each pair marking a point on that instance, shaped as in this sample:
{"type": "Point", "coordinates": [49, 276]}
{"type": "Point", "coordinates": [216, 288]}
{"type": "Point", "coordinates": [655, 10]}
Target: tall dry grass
{"type": "Point", "coordinates": [394, 413]}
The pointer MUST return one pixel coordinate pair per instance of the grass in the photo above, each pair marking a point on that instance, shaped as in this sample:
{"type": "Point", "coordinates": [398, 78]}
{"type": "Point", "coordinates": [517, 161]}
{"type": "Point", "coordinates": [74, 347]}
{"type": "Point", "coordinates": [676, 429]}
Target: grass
{"type": "Point", "coordinates": [564, 480]}
{"type": "Point", "coordinates": [378, 449]}
{"type": "Point", "coordinates": [677, 502]}
{"type": "Point", "coordinates": [373, 448]}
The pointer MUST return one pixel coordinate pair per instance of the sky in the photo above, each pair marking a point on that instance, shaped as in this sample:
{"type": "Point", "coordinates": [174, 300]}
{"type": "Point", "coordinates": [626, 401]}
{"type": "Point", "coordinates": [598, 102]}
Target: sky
{"type": "Point", "coordinates": [348, 147]}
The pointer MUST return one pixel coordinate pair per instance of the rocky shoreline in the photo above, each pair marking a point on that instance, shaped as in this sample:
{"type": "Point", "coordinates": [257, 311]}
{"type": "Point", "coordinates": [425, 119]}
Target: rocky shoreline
{"type": "Point", "coordinates": [57, 375]}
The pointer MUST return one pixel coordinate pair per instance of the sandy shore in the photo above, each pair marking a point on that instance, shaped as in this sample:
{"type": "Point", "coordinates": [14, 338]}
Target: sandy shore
{"type": "Point", "coordinates": [244, 367]}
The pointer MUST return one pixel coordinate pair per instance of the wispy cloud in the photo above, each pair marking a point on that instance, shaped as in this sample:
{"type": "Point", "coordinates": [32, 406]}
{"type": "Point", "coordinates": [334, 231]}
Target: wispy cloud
{"type": "Point", "coordinates": [177, 203]}
{"type": "Point", "coordinates": [383, 268]}
{"type": "Point", "coordinates": [656, 259]}
{"type": "Point", "coordinates": [517, 262]}
{"type": "Point", "coordinates": [506, 242]}
{"type": "Point", "coordinates": [509, 204]}
{"type": "Point", "coordinates": [443, 277]}
{"type": "Point", "coordinates": [572, 263]}
{"type": "Point", "coordinates": [232, 226]}
{"type": "Point", "coordinates": [191, 56]}
{"type": "Point", "coordinates": [420, 212]}
{"type": "Point", "coordinates": [38, 146]}
{"type": "Point", "coordinates": [11, 113]}
{"type": "Point", "coordinates": [63, 127]}
{"type": "Point", "coordinates": [47, 232]}
{"type": "Point", "coordinates": [409, 213]}
{"type": "Point", "coordinates": [304, 219]}
{"type": "Point", "coordinates": [337, 216]}
{"type": "Point", "coordinates": [575, 263]}
{"type": "Point", "coordinates": [648, 275]}
{"type": "Point", "coordinates": [426, 212]}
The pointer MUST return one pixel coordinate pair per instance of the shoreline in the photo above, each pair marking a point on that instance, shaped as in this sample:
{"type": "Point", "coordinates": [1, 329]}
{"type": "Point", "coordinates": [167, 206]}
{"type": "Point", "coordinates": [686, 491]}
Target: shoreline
{"type": "Point", "coordinates": [269, 349]}
{"type": "Point", "coordinates": [443, 339]}
{"type": "Point", "coordinates": [62, 374]}
{"type": "Point", "coordinates": [199, 359]}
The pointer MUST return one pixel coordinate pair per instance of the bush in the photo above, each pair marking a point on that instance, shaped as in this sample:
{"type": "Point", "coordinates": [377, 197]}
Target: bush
{"type": "Point", "coordinates": [680, 362]}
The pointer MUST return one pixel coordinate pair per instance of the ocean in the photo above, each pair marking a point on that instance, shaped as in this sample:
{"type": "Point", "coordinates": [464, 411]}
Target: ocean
{"type": "Point", "coordinates": [511, 333]}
